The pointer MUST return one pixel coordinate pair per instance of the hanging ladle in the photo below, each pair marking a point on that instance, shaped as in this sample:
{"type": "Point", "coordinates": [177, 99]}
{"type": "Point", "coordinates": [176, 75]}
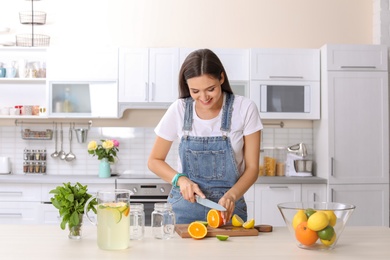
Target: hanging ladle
{"type": "Point", "coordinates": [55, 154]}
{"type": "Point", "coordinates": [61, 153]}
{"type": "Point", "coordinates": [70, 156]}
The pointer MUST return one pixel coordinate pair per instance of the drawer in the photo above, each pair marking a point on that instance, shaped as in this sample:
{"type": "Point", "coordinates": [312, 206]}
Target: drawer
{"type": "Point", "coordinates": [354, 57]}
{"type": "Point", "coordinates": [285, 64]}
{"type": "Point", "coordinates": [19, 212]}
{"type": "Point", "coordinates": [92, 189]}
{"type": "Point", "coordinates": [20, 192]}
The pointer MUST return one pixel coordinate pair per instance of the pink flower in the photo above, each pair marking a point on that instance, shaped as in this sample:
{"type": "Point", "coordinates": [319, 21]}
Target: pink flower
{"type": "Point", "coordinates": [116, 143]}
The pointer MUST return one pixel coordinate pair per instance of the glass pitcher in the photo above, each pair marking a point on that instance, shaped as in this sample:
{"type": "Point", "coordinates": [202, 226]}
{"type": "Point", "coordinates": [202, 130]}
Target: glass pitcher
{"type": "Point", "coordinates": [113, 219]}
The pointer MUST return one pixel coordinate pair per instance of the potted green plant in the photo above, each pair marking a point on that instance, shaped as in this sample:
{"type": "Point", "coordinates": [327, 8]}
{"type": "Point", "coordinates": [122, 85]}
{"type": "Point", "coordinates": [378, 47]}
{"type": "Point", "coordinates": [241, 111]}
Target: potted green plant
{"type": "Point", "coordinates": [70, 201]}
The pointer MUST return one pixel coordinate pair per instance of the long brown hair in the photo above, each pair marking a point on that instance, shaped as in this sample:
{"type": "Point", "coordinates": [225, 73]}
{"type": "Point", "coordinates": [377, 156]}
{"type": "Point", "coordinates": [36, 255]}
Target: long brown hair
{"type": "Point", "coordinates": [198, 63]}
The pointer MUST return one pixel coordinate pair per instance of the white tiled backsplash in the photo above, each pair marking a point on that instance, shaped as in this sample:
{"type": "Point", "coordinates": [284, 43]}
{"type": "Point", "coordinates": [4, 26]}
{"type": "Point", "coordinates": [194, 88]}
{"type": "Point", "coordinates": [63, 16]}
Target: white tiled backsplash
{"type": "Point", "coordinates": [134, 148]}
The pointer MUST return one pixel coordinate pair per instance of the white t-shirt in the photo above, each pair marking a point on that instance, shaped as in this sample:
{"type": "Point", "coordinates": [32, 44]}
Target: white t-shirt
{"type": "Point", "coordinates": [245, 121]}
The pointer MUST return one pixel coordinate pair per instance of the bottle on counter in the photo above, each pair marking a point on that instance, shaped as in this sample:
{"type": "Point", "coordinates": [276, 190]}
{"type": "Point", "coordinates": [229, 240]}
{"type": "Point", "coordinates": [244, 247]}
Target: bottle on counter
{"type": "Point", "coordinates": [137, 221]}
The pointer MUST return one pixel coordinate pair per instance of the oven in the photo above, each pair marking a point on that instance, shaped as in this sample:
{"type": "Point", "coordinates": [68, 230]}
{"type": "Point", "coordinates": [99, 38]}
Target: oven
{"type": "Point", "coordinates": [145, 191]}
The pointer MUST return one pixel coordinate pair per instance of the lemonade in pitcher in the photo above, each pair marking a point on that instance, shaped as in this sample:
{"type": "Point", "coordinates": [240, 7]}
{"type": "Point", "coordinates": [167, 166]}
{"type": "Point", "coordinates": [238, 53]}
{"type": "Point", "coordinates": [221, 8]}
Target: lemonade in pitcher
{"type": "Point", "coordinates": [113, 227]}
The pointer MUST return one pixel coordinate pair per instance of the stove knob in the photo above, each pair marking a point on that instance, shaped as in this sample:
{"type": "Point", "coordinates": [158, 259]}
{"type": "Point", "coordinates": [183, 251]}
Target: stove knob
{"type": "Point", "coordinates": [135, 190]}
{"type": "Point", "coordinates": [162, 189]}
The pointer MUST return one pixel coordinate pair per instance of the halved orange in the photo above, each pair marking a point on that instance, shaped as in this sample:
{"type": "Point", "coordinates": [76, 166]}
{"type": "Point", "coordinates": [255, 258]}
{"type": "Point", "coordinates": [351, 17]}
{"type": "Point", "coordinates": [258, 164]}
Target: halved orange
{"type": "Point", "coordinates": [214, 218]}
{"type": "Point", "coordinates": [197, 230]}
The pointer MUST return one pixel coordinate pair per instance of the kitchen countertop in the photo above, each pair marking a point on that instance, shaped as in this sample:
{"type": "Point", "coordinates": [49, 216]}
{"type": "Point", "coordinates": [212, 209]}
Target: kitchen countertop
{"type": "Point", "coordinates": [50, 242]}
{"type": "Point", "coordinates": [31, 178]}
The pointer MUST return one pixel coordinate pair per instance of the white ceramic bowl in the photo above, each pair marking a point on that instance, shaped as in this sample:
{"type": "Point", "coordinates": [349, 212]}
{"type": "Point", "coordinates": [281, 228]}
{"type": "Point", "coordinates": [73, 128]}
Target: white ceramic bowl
{"type": "Point", "coordinates": [340, 213]}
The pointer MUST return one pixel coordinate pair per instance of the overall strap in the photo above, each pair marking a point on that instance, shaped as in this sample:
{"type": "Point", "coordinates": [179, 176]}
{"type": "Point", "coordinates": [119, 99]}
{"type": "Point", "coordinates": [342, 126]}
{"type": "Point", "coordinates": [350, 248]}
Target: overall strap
{"type": "Point", "coordinates": [227, 113]}
{"type": "Point", "coordinates": [188, 115]}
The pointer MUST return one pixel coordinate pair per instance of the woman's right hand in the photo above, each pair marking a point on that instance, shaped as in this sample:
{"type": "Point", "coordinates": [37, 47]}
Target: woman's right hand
{"type": "Point", "coordinates": [188, 189]}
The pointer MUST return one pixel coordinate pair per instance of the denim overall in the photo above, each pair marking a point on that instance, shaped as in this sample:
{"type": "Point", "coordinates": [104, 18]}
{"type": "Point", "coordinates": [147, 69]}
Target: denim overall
{"type": "Point", "coordinates": [209, 162]}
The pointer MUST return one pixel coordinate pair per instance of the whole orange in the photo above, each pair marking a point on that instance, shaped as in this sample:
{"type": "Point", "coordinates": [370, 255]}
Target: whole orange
{"type": "Point", "coordinates": [305, 235]}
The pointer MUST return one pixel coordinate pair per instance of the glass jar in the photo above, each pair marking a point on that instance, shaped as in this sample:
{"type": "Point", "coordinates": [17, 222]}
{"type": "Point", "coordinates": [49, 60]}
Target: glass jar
{"type": "Point", "coordinates": [25, 167]}
{"type": "Point", "coordinates": [43, 155]}
{"type": "Point", "coordinates": [137, 221]}
{"type": "Point", "coordinates": [43, 167]}
{"type": "Point", "coordinates": [163, 221]}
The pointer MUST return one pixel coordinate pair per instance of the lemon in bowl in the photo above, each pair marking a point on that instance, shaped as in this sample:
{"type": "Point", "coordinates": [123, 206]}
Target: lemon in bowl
{"type": "Point", "coordinates": [316, 225]}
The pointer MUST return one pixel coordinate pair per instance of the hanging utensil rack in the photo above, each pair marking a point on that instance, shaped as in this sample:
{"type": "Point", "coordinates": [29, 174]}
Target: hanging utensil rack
{"type": "Point", "coordinates": [47, 134]}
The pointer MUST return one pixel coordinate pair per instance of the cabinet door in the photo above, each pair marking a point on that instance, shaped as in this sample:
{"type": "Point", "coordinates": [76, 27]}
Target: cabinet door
{"type": "Point", "coordinates": [355, 57]}
{"type": "Point", "coordinates": [371, 201]}
{"type": "Point", "coordinates": [19, 212]}
{"type": "Point", "coordinates": [235, 62]}
{"type": "Point", "coordinates": [314, 193]}
{"type": "Point", "coordinates": [267, 199]}
{"type": "Point", "coordinates": [133, 74]}
{"type": "Point", "coordinates": [285, 64]}
{"type": "Point", "coordinates": [358, 127]}
{"type": "Point", "coordinates": [83, 63]}
{"type": "Point", "coordinates": [250, 202]}
{"type": "Point", "coordinates": [20, 192]}
{"type": "Point", "coordinates": [163, 74]}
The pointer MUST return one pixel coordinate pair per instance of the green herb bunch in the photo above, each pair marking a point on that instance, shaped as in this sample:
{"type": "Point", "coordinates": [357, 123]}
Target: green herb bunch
{"type": "Point", "coordinates": [70, 201]}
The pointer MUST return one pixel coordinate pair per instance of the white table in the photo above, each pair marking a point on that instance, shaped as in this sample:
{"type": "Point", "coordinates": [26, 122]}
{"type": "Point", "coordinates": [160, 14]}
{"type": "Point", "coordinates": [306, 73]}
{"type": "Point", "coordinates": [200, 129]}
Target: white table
{"type": "Point", "coordinates": [50, 242]}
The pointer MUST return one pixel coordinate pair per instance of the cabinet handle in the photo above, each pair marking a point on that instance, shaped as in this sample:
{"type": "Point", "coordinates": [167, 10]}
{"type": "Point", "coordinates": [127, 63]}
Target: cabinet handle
{"type": "Point", "coordinates": [358, 67]}
{"type": "Point", "coordinates": [152, 92]}
{"type": "Point", "coordinates": [146, 91]}
{"type": "Point", "coordinates": [331, 195]}
{"type": "Point", "coordinates": [286, 77]}
{"type": "Point", "coordinates": [331, 165]}
{"type": "Point", "coordinates": [314, 196]}
{"type": "Point", "coordinates": [11, 193]}
{"type": "Point", "coordinates": [278, 187]}
{"type": "Point", "coordinates": [12, 215]}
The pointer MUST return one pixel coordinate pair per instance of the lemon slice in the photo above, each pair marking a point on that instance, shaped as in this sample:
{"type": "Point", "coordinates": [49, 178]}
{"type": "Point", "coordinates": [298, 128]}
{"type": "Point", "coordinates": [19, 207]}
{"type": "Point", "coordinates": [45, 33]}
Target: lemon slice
{"type": "Point", "coordinates": [222, 237]}
{"type": "Point", "coordinates": [249, 224]}
{"type": "Point", "coordinates": [237, 221]}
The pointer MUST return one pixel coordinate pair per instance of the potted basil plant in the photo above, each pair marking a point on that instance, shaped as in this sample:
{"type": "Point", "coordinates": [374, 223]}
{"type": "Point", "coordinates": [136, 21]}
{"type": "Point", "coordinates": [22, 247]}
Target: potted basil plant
{"type": "Point", "coordinates": [70, 201]}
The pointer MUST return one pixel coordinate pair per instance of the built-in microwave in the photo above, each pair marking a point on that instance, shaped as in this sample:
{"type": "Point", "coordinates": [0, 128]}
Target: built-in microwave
{"type": "Point", "coordinates": [286, 99]}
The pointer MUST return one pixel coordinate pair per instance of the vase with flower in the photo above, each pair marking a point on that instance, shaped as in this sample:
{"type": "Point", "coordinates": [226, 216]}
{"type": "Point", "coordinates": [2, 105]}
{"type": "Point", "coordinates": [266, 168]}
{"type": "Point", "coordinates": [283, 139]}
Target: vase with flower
{"type": "Point", "coordinates": [106, 152]}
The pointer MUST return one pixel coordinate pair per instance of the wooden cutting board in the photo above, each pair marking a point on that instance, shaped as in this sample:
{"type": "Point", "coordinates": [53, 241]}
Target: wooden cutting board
{"type": "Point", "coordinates": [181, 230]}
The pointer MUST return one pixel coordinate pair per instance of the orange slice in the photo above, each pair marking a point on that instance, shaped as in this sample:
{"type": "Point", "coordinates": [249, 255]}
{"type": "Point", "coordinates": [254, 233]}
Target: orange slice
{"type": "Point", "coordinates": [214, 218]}
{"type": "Point", "coordinates": [197, 230]}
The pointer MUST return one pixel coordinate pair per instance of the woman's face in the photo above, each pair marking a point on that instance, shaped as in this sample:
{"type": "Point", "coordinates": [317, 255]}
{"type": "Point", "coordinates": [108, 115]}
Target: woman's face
{"type": "Point", "coordinates": [206, 90]}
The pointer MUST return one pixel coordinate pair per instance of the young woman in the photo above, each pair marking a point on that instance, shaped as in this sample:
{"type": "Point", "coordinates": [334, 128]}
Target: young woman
{"type": "Point", "coordinates": [219, 135]}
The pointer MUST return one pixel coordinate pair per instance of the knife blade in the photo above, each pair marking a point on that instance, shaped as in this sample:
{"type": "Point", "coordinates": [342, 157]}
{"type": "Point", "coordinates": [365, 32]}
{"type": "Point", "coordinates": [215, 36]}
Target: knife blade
{"type": "Point", "coordinates": [208, 203]}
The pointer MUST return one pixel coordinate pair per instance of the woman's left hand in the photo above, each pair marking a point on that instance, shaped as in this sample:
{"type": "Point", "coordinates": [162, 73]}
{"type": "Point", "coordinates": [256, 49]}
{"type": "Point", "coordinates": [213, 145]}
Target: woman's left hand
{"type": "Point", "coordinates": [229, 204]}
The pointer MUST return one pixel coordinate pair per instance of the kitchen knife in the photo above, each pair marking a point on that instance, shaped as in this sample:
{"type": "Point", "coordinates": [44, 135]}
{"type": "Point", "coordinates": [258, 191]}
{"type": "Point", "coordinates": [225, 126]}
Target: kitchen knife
{"type": "Point", "coordinates": [208, 203]}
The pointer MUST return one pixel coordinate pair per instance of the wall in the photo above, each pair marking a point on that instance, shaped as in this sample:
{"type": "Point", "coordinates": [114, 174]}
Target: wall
{"type": "Point", "coordinates": [179, 23]}
{"type": "Point", "coordinates": [201, 23]}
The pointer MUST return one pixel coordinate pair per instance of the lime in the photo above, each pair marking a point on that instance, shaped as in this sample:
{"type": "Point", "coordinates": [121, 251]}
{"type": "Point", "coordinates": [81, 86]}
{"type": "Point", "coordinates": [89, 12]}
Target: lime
{"type": "Point", "coordinates": [317, 221]}
{"type": "Point", "coordinates": [203, 222]}
{"type": "Point", "coordinates": [222, 237]}
{"type": "Point", "coordinates": [237, 221]}
{"type": "Point", "coordinates": [326, 233]}
{"type": "Point", "coordinates": [116, 214]}
{"type": "Point", "coordinates": [309, 212]}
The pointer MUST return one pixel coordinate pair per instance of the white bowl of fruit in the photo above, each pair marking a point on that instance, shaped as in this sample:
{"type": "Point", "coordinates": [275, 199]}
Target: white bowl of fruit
{"type": "Point", "coordinates": [316, 225]}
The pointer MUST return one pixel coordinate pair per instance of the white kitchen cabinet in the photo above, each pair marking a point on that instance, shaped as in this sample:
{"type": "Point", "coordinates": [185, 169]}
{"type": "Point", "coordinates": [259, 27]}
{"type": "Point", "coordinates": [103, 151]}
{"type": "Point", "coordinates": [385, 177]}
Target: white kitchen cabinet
{"type": "Point", "coordinates": [250, 202]}
{"type": "Point", "coordinates": [82, 63]}
{"type": "Point", "coordinates": [148, 78]}
{"type": "Point", "coordinates": [268, 196]}
{"type": "Point", "coordinates": [351, 141]}
{"type": "Point", "coordinates": [314, 193]}
{"type": "Point", "coordinates": [285, 64]}
{"type": "Point", "coordinates": [371, 201]}
{"type": "Point", "coordinates": [20, 203]}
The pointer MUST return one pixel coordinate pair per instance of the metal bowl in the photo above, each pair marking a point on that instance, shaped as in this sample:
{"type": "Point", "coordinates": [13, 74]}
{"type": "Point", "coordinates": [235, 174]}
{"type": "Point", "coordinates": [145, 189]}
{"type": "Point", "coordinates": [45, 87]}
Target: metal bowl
{"type": "Point", "coordinates": [81, 134]}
